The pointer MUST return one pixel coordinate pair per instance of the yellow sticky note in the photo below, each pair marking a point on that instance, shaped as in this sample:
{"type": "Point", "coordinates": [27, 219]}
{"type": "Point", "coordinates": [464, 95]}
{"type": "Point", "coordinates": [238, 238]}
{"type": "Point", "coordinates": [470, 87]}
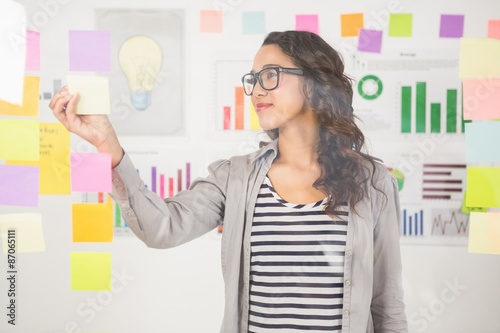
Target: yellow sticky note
{"type": "Point", "coordinates": [484, 233]}
{"type": "Point", "coordinates": [30, 103]}
{"type": "Point", "coordinates": [254, 120]}
{"type": "Point", "coordinates": [479, 58]}
{"type": "Point", "coordinates": [483, 187]}
{"type": "Point", "coordinates": [351, 24]}
{"type": "Point", "coordinates": [19, 140]}
{"type": "Point", "coordinates": [90, 270]}
{"type": "Point", "coordinates": [400, 25]}
{"type": "Point", "coordinates": [211, 21]}
{"type": "Point", "coordinates": [93, 222]}
{"type": "Point", "coordinates": [93, 91]}
{"type": "Point", "coordinates": [54, 159]}
{"type": "Point", "coordinates": [23, 232]}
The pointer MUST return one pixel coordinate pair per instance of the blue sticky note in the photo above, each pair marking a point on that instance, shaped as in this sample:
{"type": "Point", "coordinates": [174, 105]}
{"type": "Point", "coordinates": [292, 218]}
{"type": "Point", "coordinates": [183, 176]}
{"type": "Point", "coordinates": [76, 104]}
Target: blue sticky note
{"type": "Point", "coordinates": [481, 141]}
{"type": "Point", "coordinates": [254, 23]}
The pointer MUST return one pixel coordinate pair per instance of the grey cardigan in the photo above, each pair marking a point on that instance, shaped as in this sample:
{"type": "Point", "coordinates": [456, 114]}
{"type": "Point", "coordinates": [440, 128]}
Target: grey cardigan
{"type": "Point", "coordinates": [373, 294]}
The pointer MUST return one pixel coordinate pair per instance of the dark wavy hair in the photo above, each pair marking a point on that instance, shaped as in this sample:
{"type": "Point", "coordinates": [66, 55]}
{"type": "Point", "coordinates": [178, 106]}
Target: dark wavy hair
{"type": "Point", "coordinates": [328, 91]}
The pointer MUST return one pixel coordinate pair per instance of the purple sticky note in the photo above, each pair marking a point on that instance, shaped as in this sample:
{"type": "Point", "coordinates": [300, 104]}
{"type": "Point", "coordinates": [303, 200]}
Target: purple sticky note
{"type": "Point", "coordinates": [89, 51]}
{"type": "Point", "coordinates": [90, 172]}
{"type": "Point", "coordinates": [307, 23]}
{"type": "Point", "coordinates": [32, 51]}
{"type": "Point", "coordinates": [370, 40]}
{"type": "Point", "coordinates": [451, 26]}
{"type": "Point", "coordinates": [19, 185]}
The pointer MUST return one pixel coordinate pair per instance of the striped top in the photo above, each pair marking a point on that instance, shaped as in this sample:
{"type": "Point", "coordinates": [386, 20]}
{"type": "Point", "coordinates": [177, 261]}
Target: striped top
{"type": "Point", "coordinates": [297, 266]}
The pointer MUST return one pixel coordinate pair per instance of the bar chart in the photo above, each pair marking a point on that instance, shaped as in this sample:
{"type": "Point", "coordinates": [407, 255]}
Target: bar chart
{"type": "Point", "coordinates": [420, 114]}
{"type": "Point", "coordinates": [234, 110]}
{"type": "Point", "coordinates": [412, 222]}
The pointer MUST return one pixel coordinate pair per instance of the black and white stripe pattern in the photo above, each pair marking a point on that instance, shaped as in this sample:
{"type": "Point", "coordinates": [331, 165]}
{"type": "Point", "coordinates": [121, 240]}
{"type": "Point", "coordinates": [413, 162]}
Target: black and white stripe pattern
{"type": "Point", "coordinates": [297, 266]}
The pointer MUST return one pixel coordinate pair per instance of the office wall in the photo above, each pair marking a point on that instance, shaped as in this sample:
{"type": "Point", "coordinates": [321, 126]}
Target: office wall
{"type": "Point", "coordinates": [181, 290]}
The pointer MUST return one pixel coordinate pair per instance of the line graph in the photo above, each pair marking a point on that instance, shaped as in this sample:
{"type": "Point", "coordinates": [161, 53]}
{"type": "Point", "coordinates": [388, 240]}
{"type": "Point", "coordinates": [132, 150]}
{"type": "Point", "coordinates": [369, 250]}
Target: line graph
{"type": "Point", "coordinates": [449, 222]}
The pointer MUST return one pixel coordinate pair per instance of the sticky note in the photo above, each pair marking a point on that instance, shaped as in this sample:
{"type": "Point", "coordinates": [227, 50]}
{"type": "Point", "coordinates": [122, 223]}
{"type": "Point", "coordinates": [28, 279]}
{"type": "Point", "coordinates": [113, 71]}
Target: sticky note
{"type": "Point", "coordinates": [89, 51]}
{"type": "Point", "coordinates": [19, 140]}
{"type": "Point", "coordinates": [483, 187]}
{"type": "Point", "coordinates": [19, 185]}
{"type": "Point", "coordinates": [481, 99]}
{"type": "Point", "coordinates": [54, 159]}
{"type": "Point", "coordinates": [484, 233]}
{"type": "Point", "coordinates": [494, 29]}
{"type": "Point", "coordinates": [211, 21]}
{"type": "Point", "coordinates": [93, 222]}
{"type": "Point", "coordinates": [350, 24]}
{"type": "Point", "coordinates": [451, 26]}
{"type": "Point", "coordinates": [481, 141]}
{"type": "Point", "coordinates": [254, 23]}
{"type": "Point", "coordinates": [307, 23]}
{"type": "Point", "coordinates": [370, 41]}
{"type": "Point", "coordinates": [479, 58]}
{"type": "Point", "coordinates": [32, 51]}
{"type": "Point", "coordinates": [93, 91]}
{"type": "Point", "coordinates": [12, 51]}
{"type": "Point", "coordinates": [31, 100]}
{"type": "Point", "coordinates": [90, 172]}
{"type": "Point", "coordinates": [90, 270]}
{"type": "Point", "coordinates": [400, 25]}
{"type": "Point", "coordinates": [28, 232]}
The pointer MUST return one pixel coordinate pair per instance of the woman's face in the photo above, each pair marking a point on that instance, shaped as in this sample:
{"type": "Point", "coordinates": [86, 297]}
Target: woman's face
{"type": "Point", "coordinates": [285, 105]}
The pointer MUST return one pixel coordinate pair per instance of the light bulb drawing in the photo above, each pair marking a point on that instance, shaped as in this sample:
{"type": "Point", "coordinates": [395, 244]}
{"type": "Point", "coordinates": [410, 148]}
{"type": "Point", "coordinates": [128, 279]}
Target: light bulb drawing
{"type": "Point", "coordinates": [140, 58]}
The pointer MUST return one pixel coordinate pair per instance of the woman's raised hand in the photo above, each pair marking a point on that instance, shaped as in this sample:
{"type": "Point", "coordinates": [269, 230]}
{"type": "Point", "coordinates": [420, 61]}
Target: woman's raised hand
{"type": "Point", "coordinates": [96, 129]}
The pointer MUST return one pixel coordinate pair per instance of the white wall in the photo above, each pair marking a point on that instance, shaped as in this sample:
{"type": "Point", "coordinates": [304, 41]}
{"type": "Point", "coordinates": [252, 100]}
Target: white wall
{"type": "Point", "coordinates": [181, 290]}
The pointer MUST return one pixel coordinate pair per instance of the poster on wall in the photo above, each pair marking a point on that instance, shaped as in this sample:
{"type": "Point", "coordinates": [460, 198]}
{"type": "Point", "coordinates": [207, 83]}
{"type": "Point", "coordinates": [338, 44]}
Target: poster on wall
{"type": "Point", "coordinates": [146, 78]}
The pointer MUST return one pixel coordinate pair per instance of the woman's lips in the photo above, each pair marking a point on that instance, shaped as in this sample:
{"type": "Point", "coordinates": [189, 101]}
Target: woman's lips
{"type": "Point", "coordinates": [262, 106]}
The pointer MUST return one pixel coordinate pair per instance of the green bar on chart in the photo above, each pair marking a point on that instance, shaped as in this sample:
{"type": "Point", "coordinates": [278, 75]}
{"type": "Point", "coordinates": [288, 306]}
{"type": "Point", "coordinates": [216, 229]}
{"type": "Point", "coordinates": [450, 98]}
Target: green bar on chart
{"type": "Point", "coordinates": [435, 117]}
{"type": "Point", "coordinates": [118, 216]}
{"type": "Point", "coordinates": [420, 106]}
{"type": "Point", "coordinates": [451, 111]}
{"type": "Point", "coordinates": [405, 109]}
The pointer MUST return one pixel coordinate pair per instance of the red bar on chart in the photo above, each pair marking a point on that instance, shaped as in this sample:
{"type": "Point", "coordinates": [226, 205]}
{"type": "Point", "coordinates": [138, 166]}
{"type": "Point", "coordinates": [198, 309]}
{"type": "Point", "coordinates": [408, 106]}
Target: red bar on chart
{"type": "Point", "coordinates": [179, 180]}
{"type": "Point", "coordinates": [227, 117]}
{"type": "Point", "coordinates": [100, 197]}
{"type": "Point", "coordinates": [239, 101]}
{"type": "Point", "coordinates": [162, 186]}
{"type": "Point", "coordinates": [188, 175]}
{"type": "Point", "coordinates": [170, 187]}
{"type": "Point", "coordinates": [153, 179]}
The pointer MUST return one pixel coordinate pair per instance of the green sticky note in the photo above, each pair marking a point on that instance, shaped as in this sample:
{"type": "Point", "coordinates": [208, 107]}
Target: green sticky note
{"type": "Point", "coordinates": [91, 271]}
{"type": "Point", "coordinates": [483, 187]}
{"type": "Point", "coordinates": [19, 140]}
{"type": "Point", "coordinates": [401, 25]}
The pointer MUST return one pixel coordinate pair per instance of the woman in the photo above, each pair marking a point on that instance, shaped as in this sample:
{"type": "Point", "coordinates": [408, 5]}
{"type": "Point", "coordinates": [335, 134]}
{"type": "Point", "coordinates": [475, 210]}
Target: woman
{"type": "Point", "coordinates": [311, 239]}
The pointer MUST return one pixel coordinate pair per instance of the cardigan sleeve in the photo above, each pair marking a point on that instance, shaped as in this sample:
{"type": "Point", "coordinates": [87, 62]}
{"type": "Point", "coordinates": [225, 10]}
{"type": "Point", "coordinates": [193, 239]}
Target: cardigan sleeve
{"type": "Point", "coordinates": [173, 221]}
{"type": "Point", "coordinates": [387, 308]}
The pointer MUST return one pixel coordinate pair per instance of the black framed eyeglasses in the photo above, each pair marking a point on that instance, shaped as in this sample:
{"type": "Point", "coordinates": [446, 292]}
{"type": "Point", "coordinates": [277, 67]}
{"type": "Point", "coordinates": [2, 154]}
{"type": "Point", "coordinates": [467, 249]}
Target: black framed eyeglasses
{"type": "Point", "coordinates": [268, 78]}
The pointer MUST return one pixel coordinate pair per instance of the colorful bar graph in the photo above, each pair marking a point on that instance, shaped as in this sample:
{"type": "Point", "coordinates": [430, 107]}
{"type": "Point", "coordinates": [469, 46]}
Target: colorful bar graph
{"type": "Point", "coordinates": [435, 117]}
{"type": "Point", "coordinates": [421, 100]}
{"type": "Point", "coordinates": [405, 109]}
{"type": "Point", "coordinates": [239, 117]}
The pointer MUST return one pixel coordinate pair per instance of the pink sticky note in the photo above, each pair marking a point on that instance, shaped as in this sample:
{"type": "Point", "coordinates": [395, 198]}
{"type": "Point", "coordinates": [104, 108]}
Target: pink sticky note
{"type": "Point", "coordinates": [89, 51]}
{"type": "Point", "coordinates": [307, 23]}
{"type": "Point", "coordinates": [211, 21]}
{"type": "Point", "coordinates": [370, 40]}
{"type": "Point", "coordinates": [481, 99]}
{"type": "Point", "coordinates": [32, 51]}
{"type": "Point", "coordinates": [90, 172]}
{"type": "Point", "coordinates": [19, 185]}
{"type": "Point", "coordinates": [494, 29]}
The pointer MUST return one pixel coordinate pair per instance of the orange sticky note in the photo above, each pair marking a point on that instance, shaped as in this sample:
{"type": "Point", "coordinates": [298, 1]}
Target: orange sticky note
{"type": "Point", "coordinates": [211, 21]}
{"type": "Point", "coordinates": [351, 24]}
{"type": "Point", "coordinates": [30, 103]}
{"type": "Point", "coordinates": [93, 222]}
